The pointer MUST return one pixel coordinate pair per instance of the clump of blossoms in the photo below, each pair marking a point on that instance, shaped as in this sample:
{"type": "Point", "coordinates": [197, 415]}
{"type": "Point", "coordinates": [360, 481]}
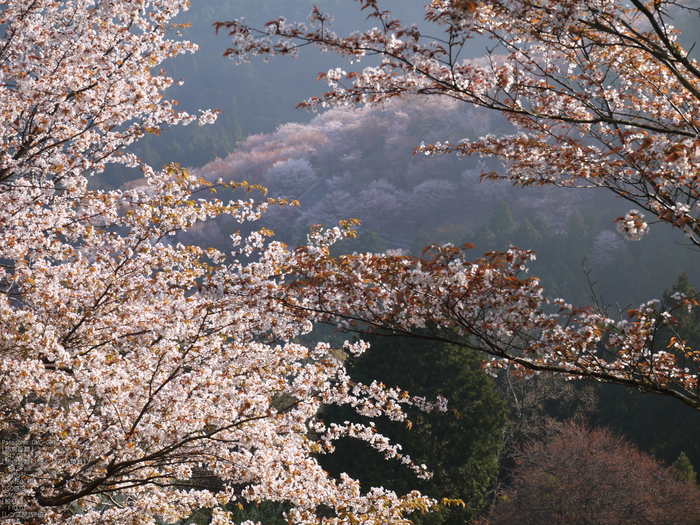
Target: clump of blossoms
{"type": "Point", "coordinates": [632, 226]}
{"type": "Point", "coordinates": [486, 304]}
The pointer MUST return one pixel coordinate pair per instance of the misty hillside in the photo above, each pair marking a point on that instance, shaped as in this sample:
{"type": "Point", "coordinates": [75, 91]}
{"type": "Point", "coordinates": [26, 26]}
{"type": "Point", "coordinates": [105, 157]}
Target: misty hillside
{"type": "Point", "coordinates": [360, 163]}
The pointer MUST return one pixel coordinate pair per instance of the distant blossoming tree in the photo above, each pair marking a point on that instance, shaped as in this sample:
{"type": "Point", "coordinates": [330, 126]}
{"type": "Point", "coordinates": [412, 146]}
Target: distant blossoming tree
{"type": "Point", "coordinates": [602, 95]}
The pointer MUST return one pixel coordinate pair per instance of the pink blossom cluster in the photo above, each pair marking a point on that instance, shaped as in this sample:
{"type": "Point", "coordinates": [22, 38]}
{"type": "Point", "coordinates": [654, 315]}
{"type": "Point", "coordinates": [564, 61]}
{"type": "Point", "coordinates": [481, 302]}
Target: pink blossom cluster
{"type": "Point", "coordinates": [142, 379]}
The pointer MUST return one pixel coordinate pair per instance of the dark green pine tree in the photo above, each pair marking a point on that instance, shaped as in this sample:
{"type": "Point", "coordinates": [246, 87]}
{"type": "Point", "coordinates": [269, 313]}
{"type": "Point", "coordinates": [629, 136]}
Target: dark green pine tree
{"type": "Point", "coordinates": [684, 469]}
{"type": "Point", "coordinates": [501, 222]}
{"type": "Point", "coordinates": [460, 447]}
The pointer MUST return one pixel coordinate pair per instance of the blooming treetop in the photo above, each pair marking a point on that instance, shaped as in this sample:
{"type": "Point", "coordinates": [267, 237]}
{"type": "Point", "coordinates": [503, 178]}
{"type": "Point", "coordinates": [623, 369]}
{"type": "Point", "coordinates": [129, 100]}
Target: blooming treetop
{"type": "Point", "coordinates": [602, 95]}
{"type": "Point", "coordinates": [142, 379]}
{"type": "Point", "coordinates": [78, 84]}
{"type": "Point", "coordinates": [490, 306]}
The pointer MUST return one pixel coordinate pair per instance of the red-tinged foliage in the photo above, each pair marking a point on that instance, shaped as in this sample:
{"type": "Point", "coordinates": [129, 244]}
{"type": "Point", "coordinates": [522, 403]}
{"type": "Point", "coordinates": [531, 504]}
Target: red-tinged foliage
{"type": "Point", "coordinates": [582, 476]}
{"type": "Point", "coordinates": [488, 305]}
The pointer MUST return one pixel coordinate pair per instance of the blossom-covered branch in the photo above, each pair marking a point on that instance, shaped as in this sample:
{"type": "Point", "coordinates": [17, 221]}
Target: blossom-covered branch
{"type": "Point", "coordinates": [602, 93]}
{"type": "Point", "coordinates": [488, 305]}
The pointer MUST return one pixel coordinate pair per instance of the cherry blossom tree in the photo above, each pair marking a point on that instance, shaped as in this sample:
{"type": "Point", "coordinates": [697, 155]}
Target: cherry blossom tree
{"type": "Point", "coordinates": [141, 379]}
{"type": "Point", "coordinates": [601, 94]}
